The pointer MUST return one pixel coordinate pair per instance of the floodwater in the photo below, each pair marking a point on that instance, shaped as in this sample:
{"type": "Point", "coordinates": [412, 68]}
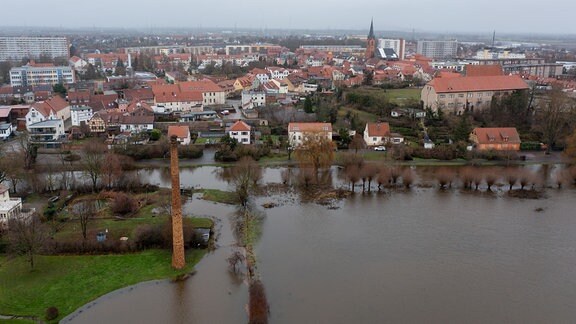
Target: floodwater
{"type": "Point", "coordinates": [424, 255]}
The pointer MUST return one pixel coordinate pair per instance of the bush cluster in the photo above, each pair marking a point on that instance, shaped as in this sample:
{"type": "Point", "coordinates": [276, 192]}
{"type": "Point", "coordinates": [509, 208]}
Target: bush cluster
{"type": "Point", "coordinates": [225, 154]}
{"type": "Point", "coordinates": [160, 235]}
{"type": "Point", "coordinates": [123, 204]}
{"type": "Point", "coordinates": [159, 151]}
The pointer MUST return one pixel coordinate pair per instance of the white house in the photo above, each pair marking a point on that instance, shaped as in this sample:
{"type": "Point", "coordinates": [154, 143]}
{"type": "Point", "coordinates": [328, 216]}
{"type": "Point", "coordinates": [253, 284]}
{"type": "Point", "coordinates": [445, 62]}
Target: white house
{"type": "Point", "coordinates": [253, 99]}
{"type": "Point", "coordinates": [262, 75]}
{"type": "Point", "coordinates": [9, 207]}
{"type": "Point", "coordinates": [81, 114]}
{"type": "Point", "coordinates": [278, 72]}
{"type": "Point", "coordinates": [53, 108]}
{"type": "Point", "coordinates": [376, 134]}
{"type": "Point", "coordinates": [181, 132]}
{"type": "Point", "coordinates": [137, 124]}
{"type": "Point", "coordinates": [6, 130]}
{"type": "Point", "coordinates": [298, 131]}
{"type": "Point", "coordinates": [240, 131]}
{"type": "Point", "coordinates": [49, 132]}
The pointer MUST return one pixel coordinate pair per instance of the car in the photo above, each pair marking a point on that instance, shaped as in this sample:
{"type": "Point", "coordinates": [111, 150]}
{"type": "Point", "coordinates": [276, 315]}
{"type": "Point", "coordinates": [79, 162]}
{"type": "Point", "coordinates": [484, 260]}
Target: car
{"type": "Point", "coordinates": [380, 148]}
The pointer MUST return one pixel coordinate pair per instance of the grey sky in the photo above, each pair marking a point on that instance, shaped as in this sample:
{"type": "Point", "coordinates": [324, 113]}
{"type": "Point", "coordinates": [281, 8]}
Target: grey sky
{"type": "Point", "coordinates": [527, 16]}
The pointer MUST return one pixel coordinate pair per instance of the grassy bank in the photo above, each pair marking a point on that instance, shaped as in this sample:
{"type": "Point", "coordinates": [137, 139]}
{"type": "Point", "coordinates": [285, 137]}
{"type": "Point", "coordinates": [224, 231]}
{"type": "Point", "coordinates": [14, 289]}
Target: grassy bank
{"type": "Point", "coordinates": [219, 196]}
{"type": "Point", "coordinates": [68, 282]}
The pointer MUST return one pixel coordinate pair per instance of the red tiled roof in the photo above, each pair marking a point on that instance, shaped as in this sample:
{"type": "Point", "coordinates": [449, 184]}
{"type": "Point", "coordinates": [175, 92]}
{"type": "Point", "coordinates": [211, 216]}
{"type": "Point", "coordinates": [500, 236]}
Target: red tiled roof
{"type": "Point", "coordinates": [179, 131]}
{"type": "Point", "coordinates": [497, 135]}
{"type": "Point", "coordinates": [5, 111]}
{"type": "Point", "coordinates": [204, 85]}
{"type": "Point", "coordinates": [483, 70]}
{"type": "Point", "coordinates": [240, 126]}
{"type": "Point", "coordinates": [310, 127]}
{"type": "Point", "coordinates": [486, 83]}
{"type": "Point", "coordinates": [378, 129]}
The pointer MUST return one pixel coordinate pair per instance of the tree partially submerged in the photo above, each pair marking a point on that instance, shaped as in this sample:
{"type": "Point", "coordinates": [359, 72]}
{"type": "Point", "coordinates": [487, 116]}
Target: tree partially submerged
{"type": "Point", "coordinates": [244, 177]}
{"type": "Point", "coordinates": [316, 152]}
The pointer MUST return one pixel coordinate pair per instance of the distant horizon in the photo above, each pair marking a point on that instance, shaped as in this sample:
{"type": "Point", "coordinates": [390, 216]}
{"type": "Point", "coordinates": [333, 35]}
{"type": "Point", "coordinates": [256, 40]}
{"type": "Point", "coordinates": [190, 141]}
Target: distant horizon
{"type": "Point", "coordinates": [151, 30]}
{"type": "Point", "coordinates": [441, 16]}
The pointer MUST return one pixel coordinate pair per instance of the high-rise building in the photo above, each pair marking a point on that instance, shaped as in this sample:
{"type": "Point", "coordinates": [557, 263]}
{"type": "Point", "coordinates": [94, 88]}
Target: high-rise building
{"type": "Point", "coordinates": [437, 49]}
{"type": "Point", "coordinates": [31, 75]}
{"type": "Point", "coordinates": [17, 48]}
{"type": "Point", "coordinates": [398, 45]}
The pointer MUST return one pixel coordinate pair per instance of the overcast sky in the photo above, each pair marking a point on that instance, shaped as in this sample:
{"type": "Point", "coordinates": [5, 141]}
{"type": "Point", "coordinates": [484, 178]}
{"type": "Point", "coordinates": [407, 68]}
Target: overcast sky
{"type": "Point", "coordinates": [526, 16]}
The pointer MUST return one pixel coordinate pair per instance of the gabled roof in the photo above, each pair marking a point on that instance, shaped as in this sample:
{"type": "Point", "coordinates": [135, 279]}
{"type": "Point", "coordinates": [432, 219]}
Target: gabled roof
{"type": "Point", "coordinates": [179, 131]}
{"type": "Point", "coordinates": [484, 70]}
{"type": "Point", "coordinates": [204, 85]}
{"type": "Point", "coordinates": [496, 135]}
{"type": "Point", "coordinates": [310, 127]}
{"type": "Point", "coordinates": [239, 126]}
{"type": "Point", "coordinates": [56, 103]}
{"type": "Point", "coordinates": [485, 83]}
{"type": "Point", "coordinates": [378, 129]}
{"type": "Point", "coordinates": [137, 120]}
{"type": "Point", "coordinates": [138, 94]}
{"type": "Point", "coordinates": [5, 111]}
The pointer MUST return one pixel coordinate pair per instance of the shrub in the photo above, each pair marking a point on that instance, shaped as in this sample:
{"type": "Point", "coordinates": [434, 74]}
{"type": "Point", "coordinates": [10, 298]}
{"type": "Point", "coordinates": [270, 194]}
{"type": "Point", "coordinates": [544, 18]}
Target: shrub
{"type": "Point", "coordinates": [51, 313]}
{"type": "Point", "coordinates": [155, 134]}
{"type": "Point", "coordinates": [123, 204]}
{"type": "Point", "coordinates": [190, 152]}
{"type": "Point", "coordinates": [149, 236]}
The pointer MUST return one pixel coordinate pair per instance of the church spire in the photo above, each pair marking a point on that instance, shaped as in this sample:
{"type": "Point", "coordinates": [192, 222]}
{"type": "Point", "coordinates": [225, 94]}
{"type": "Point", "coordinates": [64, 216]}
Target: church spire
{"type": "Point", "coordinates": [371, 33]}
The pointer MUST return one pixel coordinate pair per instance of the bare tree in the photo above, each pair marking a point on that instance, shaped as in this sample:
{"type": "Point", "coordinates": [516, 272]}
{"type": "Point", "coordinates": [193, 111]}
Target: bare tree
{"type": "Point", "coordinates": [316, 151]}
{"type": "Point", "coordinates": [244, 176]}
{"type": "Point", "coordinates": [407, 178]}
{"type": "Point", "coordinates": [554, 116]}
{"type": "Point", "coordinates": [368, 172]}
{"type": "Point", "coordinates": [383, 177]}
{"type": "Point", "coordinates": [357, 143]}
{"type": "Point", "coordinates": [511, 177]}
{"type": "Point", "coordinates": [27, 236]}
{"type": "Point", "coordinates": [29, 150]}
{"type": "Point", "coordinates": [93, 161]}
{"type": "Point", "coordinates": [111, 169]}
{"type": "Point", "coordinates": [445, 178]}
{"type": "Point", "coordinates": [84, 211]}
{"type": "Point", "coordinates": [491, 177]}
{"type": "Point", "coordinates": [12, 168]}
{"type": "Point", "coordinates": [352, 173]}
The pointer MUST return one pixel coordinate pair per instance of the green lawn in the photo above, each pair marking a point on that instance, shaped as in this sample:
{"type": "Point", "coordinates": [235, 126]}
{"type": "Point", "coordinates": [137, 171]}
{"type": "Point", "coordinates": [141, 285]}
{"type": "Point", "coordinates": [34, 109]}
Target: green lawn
{"type": "Point", "coordinates": [68, 282]}
{"type": "Point", "coordinates": [225, 197]}
{"type": "Point", "coordinates": [399, 96]}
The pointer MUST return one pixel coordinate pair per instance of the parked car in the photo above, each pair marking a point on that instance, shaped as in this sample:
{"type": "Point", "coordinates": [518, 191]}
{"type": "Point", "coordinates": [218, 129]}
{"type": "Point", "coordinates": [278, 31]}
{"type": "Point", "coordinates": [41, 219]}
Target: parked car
{"type": "Point", "coordinates": [380, 148]}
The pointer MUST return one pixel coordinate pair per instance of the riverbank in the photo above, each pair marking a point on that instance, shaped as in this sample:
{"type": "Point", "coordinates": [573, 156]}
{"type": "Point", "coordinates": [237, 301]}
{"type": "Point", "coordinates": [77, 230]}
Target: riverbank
{"type": "Point", "coordinates": [68, 282]}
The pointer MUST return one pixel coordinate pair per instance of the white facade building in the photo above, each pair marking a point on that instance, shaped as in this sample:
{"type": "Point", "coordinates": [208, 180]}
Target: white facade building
{"type": "Point", "coordinates": [297, 132]}
{"type": "Point", "coordinates": [81, 114]}
{"type": "Point", "coordinates": [38, 75]}
{"type": "Point", "coordinates": [17, 48]}
{"type": "Point", "coordinates": [253, 99]}
{"type": "Point", "coordinates": [437, 49]}
{"type": "Point", "coordinates": [398, 45]}
{"type": "Point", "coordinates": [9, 207]}
{"type": "Point", "coordinates": [47, 132]}
{"type": "Point", "coordinates": [240, 131]}
{"type": "Point", "coordinates": [6, 130]}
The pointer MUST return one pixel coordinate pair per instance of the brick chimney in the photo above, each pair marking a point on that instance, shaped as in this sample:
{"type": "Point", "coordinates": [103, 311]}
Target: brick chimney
{"type": "Point", "coordinates": [178, 259]}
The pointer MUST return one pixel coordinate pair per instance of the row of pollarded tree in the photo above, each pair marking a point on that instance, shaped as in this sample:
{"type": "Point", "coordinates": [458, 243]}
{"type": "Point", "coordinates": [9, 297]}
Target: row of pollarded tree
{"type": "Point", "coordinates": [356, 169]}
{"type": "Point", "coordinates": [475, 177]}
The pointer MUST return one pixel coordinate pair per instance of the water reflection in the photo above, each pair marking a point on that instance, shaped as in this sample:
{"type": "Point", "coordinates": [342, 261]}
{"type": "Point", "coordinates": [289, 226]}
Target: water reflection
{"type": "Point", "coordinates": [418, 255]}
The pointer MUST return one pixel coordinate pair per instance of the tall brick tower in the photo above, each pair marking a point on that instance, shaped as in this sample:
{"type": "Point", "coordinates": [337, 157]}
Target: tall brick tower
{"type": "Point", "coordinates": [178, 258]}
{"type": "Point", "coordinates": [370, 42]}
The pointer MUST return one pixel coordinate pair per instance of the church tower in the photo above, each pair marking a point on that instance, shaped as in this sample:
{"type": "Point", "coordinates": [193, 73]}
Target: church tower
{"type": "Point", "coordinates": [370, 42]}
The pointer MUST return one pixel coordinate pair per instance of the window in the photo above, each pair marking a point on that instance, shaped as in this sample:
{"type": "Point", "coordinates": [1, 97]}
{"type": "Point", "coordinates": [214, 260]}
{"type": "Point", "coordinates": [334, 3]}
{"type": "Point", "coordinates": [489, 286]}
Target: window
{"type": "Point", "coordinates": [442, 96]}
{"type": "Point", "coordinates": [460, 95]}
{"type": "Point", "coordinates": [244, 133]}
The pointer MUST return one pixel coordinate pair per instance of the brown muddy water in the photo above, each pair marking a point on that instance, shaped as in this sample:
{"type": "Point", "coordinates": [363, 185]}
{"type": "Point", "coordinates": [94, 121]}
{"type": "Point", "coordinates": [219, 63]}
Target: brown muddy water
{"type": "Point", "coordinates": [424, 255]}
